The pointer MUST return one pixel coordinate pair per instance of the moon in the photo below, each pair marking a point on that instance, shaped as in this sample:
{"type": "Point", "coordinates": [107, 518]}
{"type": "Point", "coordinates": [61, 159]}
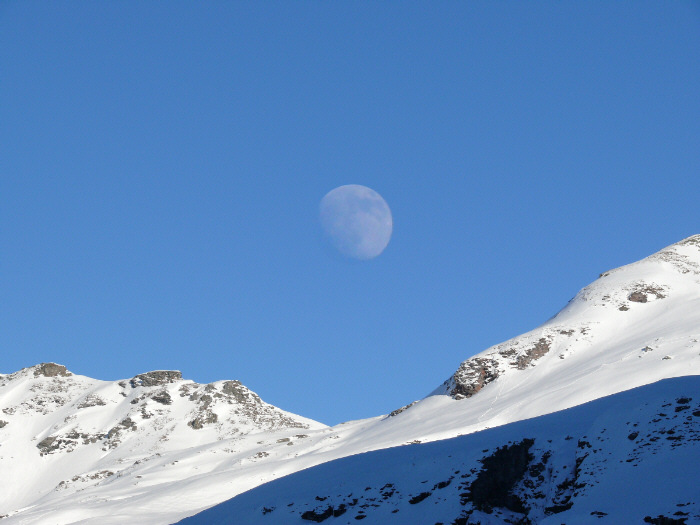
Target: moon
{"type": "Point", "coordinates": [357, 221]}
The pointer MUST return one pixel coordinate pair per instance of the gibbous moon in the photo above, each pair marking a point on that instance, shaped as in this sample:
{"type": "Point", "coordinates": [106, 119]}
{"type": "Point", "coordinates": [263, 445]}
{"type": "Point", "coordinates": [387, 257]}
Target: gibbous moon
{"type": "Point", "coordinates": [356, 220]}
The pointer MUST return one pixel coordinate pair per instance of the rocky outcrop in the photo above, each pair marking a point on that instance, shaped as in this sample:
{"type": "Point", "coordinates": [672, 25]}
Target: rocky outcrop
{"type": "Point", "coordinates": [206, 417]}
{"type": "Point", "coordinates": [239, 393]}
{"type": "Point", "coordinates": [212, 401]}
{"type": "Point", "coordinates": [402, 409]}
{"type": "Point", "coordinates": [162, 397]}
{"type": "Point", "coordinates": [156, 378]}
{"type": "Point", "coordinates": [66, 442]}
{"type": "Point", "coordinates": [642, 293]}
{"type": "Point", "coordinates": [477, 372]}
{"type": "Point", "coordinates": [47, 445]}
{"type": "Point", "coordinates": [473, 375]}
{"type": "Point", "coordinates": [539, 349]}
{"type": "Point", "coordinates": [51, 370]}
{"type": "Point", "coordinates": [92, 400]}
{"type": "Point", "coordinates": [494, 485]}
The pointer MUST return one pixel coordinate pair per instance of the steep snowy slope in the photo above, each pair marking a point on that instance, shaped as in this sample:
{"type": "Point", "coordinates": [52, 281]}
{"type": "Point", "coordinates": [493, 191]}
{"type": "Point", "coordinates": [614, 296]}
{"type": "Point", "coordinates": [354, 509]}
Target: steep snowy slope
{"type": "Point", "coordinates": [627, 458]}
{"type": "Point", "coordinates": [633, 326]}
{"type": "Point", "coordinates": [159, 448]}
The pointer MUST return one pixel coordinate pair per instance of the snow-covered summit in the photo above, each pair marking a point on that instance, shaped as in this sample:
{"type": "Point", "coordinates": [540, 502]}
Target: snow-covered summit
{"type": "Point", "coordinates": [634, 325]}
{"type": "Point", "coordinates": [671, 272]}
{"type": "Point", "coordinates": [156, 448]}
{"type": "Point", "coordinates": [62, 433]}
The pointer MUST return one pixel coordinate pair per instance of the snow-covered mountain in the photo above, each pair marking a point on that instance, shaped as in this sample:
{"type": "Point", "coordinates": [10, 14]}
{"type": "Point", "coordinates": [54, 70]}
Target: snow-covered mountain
{"type": "Point", "coordinates": [156, 448]}
{"type": "Point", "coordinates": [627, 458]}
{"type": "Point", "coordinates": [77, 448]}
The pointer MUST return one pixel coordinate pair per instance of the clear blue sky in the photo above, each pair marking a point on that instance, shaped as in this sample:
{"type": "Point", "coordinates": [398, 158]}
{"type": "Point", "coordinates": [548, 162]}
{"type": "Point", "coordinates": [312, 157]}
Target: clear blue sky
{"type": "Point", "coordinates": [161, 167]}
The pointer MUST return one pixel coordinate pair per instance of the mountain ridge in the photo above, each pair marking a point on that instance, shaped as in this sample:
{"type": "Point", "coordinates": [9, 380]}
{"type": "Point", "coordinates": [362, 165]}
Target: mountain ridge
{"type": "Point", "coordinates": [51, 413]}
{"type": "Point", "coordinates": [157, 448]}
{"type": "Point", "coordinates": [571, 466]}
{"type": "Point", "coordinates": [477, 371]}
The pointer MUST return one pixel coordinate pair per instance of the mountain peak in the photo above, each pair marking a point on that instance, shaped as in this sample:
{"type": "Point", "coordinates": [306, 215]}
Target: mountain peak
{"type": "Point", "coordinates": [40, 370]}
{"type": "Point", "coordinates": [693, 240]}
{"type": "Point", "coordinates": [158, 447]}
{"type": "Point", "coordinates": [50, 370]}
{"type": "Point", "coordinates": [627, 304]}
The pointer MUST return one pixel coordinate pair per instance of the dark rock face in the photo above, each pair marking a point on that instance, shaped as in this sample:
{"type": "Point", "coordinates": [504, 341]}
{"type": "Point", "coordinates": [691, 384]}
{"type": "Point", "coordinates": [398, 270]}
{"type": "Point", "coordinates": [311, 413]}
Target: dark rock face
{"type": "Point", "coordinates": [47, 445]}
{"type": "Point", "coordinates": [156, 378]}
{"type": "Point", "coordinates": [2, 423]}
{"type": "Point", "coordinates": [664, 520]}
{"type": "Point", "coordinates": [162, 397]}
{"type": "Point", "coordinates": [419, 497]}
{"type": "Point", "coordinates": [402, 409]}
{"type": "Point", "coordinates": [638, 297]}
{"type": "Point", "coordinates": [473, 375]}
{"type": "Point", "coordinates": [540, 348]}
{"type": "Point", "coordinates": [206, 418]}
{"type": "Point", "coordinates": [494, 485]}
{"type": "Point", "coordinates": [318, 517]}
{"type": "Point", "coordinates": [51, 370]}
{"type": "Point", "coordinates": [238, 392]}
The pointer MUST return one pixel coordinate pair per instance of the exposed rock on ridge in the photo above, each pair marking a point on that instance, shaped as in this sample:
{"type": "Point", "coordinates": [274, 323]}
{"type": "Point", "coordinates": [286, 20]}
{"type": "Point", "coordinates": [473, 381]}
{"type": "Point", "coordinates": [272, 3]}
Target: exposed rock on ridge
{"type": "Point", "coordinates": [151, 403]}
{"type": "Point", "coordinates": [156, 378]}
{"type": "Point", "coordinates": [623, 289]}
{"type": "Point", "coordinates": [518, 354]}
{"type": "Point", "coordinates": [51, 370]}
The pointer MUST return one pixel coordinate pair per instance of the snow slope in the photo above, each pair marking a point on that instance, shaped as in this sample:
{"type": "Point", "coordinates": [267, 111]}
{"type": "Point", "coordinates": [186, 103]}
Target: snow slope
{"type": "Point", "coordinates": [160, 448]}
{"type": "Point", "coordinates": [633, 326]}
{"type": "Point", "coordinates": [620, 459]}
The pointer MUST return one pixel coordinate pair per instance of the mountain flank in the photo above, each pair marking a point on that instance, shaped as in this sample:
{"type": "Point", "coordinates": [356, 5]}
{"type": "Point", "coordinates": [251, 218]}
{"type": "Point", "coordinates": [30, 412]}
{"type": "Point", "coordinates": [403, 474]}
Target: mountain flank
{"type": "Point", "coordinates": [626, 458]}
{"type": "Point", "coordinates": [597, 406]}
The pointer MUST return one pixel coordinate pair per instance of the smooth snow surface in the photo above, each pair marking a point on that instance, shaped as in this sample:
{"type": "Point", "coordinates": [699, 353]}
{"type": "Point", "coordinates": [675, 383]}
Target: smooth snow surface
{"type": "Point", "coordinates": [157, 448]}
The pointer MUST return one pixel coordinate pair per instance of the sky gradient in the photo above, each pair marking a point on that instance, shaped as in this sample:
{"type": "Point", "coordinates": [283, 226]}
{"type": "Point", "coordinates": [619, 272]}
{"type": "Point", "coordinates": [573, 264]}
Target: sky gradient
{"type": "Point", "coordinates": [161, 168]}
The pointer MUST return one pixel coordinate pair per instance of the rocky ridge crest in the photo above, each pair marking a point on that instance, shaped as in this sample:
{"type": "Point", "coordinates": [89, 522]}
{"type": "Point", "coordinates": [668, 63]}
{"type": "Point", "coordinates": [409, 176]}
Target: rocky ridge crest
{"type": "Point", "coordinates": [623, 291]}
